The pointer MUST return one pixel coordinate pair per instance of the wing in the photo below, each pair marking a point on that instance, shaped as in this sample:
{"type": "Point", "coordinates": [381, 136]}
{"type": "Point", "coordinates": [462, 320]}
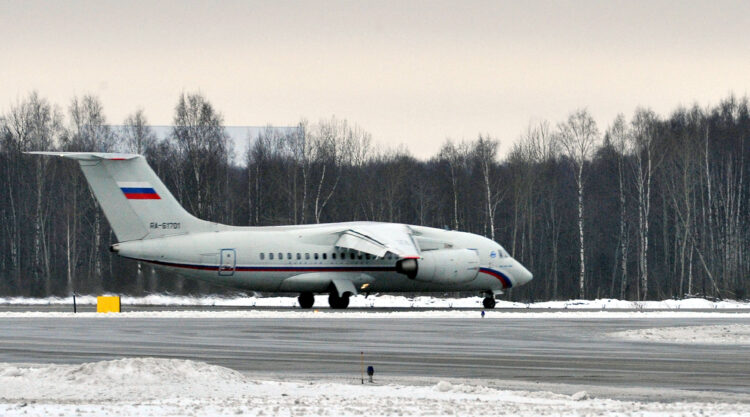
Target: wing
{"type": "Point", "coordinates": [380, 239]}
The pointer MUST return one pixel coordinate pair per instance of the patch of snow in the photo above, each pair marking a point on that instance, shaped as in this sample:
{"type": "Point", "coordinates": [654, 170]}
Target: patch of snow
{"type": "Point", "coordinates": [444, 386]}
{"type": "Point", "coordinates": [161, 387]}
{"type": "Point", "coordinates": [579, 396]}
{"type": "Point", "coordinates": [735, 334]}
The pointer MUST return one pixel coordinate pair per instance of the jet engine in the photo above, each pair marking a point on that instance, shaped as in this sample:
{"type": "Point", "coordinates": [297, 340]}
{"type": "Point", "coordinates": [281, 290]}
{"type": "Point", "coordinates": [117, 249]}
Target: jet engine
{"type": "Point", "coordinates": [448, 266]}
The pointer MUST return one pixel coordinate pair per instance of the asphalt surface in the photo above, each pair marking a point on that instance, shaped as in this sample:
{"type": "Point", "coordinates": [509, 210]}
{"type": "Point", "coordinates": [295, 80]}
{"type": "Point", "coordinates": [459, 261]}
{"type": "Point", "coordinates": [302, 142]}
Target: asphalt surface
{"type": "Point", "coordinates": [559, 350]}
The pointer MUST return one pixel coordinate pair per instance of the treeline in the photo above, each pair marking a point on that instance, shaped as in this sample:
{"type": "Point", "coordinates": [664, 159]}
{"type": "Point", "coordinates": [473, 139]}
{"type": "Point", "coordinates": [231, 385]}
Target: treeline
{"type": "Point", "coordinates": [648, 208]}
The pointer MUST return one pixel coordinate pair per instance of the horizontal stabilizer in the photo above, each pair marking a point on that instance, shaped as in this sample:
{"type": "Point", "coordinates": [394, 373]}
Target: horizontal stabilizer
{"type": "Point", "coordinates": [89, 156]}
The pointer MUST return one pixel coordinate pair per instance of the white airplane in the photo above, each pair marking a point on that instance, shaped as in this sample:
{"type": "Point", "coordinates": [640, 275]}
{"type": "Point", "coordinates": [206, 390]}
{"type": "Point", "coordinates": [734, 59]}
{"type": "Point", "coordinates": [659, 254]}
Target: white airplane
{"type": "Point", "coordinates": [341, 259]}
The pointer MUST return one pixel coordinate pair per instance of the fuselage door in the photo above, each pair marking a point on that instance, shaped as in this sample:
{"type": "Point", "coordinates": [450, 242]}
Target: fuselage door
{"type": "Point", "coordinates": [227, 263]}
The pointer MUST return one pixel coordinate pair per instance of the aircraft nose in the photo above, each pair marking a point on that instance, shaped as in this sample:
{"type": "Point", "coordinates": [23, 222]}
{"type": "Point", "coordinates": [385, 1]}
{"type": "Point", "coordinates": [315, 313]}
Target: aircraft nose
{"type": "Point", "coordinates": [522, 274]}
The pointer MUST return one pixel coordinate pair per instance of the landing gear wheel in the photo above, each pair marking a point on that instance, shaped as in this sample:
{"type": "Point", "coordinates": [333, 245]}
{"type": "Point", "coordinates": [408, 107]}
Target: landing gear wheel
{"type": "Point", "coordinates": [306, 300]}
{"type": "Point", "coordinates": [337, 302]}
{"type": "Point", "coordinates": [489, 302]}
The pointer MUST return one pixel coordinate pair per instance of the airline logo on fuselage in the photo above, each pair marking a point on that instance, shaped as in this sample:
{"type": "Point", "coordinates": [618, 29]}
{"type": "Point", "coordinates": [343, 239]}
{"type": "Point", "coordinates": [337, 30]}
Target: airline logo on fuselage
{"type": "Point", "coordinates": [138, 191]}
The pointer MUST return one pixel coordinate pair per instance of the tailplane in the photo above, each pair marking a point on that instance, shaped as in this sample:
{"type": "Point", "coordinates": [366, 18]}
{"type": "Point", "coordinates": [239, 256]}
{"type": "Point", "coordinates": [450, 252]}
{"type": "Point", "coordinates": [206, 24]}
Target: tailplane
{"type": "Point", "coordinates": [137, 204]}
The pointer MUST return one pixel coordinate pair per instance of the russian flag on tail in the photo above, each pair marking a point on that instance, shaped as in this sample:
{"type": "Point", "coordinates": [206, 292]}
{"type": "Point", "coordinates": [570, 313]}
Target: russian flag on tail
{"type": "Point", "coordinates": [138, 191]}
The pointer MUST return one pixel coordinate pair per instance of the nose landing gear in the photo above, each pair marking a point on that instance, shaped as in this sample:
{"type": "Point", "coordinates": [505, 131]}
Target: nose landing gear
{"type": "Point", "coordinates": [489, 299]}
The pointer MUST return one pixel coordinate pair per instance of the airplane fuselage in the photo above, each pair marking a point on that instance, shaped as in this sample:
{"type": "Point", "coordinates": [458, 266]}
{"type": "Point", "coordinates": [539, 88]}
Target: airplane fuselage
{"type": "Point", "coordinates": [273, 258]}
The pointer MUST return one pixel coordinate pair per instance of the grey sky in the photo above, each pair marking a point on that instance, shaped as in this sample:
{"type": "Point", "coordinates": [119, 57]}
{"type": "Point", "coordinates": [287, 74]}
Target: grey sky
{"type": "Point", "coordinates": [408, 72]}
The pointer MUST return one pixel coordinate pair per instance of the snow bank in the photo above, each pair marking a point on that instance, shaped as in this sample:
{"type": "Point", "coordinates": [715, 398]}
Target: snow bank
{"type": "Point", "coordinates": [160, 387]}
{"type": "Point", "coordinates": [735, 334]}
{"type": "Point", "coordinates": [143, 378]}
{"type": "Point", "coordinates": [392, 301]}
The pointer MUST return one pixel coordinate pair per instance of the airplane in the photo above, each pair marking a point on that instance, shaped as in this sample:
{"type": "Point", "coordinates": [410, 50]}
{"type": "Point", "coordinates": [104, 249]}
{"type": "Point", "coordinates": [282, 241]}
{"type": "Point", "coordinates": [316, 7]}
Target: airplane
{"type": "Point", "coordinates": [341, 259]}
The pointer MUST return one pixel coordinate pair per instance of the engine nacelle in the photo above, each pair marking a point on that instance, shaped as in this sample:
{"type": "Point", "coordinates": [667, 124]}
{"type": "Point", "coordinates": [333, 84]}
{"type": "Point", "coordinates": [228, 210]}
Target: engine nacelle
{"type": "Point", "coordinates": [449, 266]}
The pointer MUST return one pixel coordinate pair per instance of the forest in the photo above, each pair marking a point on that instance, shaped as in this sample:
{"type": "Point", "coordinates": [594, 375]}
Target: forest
{"type": "Point", "coordinates": [648, 207]}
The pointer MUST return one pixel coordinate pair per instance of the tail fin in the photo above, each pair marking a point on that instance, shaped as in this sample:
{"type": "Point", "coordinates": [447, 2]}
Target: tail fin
{"type": "Point", "coordinates": [135, 201]}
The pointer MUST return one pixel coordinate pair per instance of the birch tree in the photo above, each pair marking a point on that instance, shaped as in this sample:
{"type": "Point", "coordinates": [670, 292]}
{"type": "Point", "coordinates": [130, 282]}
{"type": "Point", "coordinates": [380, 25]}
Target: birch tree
{"type": "Point", "coordinates": [642, 143]}
{"type": "Point", "coordinates": [618, 135]}
{"type": "Point", "coordinates": [485, 151]}
{"type": "Point", "coordinates": [578, 138]}
{"type": "Point", "coordinates": [199, 135]}
{"type": "Point", "coordinates": [137, 135]}
{"type": "Point", "coordinates": [89, 131]}
{"type": "Point", "coordinates": [455, 158]}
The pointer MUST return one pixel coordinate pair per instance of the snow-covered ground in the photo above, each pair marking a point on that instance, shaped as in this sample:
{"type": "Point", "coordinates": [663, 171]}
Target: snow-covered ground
{"type": "Point", "coordinates": [161, 387]}
{"type": "Point", "coordinates": [385, 301]}
{"type": "Point", "coordinates": [729, 334]}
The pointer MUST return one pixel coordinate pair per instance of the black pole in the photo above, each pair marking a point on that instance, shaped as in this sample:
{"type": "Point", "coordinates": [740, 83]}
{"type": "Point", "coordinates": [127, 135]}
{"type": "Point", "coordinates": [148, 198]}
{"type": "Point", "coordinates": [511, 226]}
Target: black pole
{"type": "Point", "coordinates": [74, 303]}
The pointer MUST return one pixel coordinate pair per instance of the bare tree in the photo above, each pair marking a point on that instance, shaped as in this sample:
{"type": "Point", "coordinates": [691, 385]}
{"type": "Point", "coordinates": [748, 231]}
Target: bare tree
{"type": "Point", "coordinates": [642, 142]}
{"type": "Point", "coordinates": [579, 137]}
{"type": "Point", "coordinates": [455, 157]}
{"type": "Point", "coordinates": [531, 155]}
{"type": "Point", "coordinates": [199, 134]}
{"type": "Point", "coordinates": [618, 135]}
{"type": "Point", "coordinates": [485, 150]}
{"type": "Point", "coordinates": [33, 124]}
{"type": "Point", "coordinates": [89, 131]}
{"type": "Point", "coordinates": [137, 135]}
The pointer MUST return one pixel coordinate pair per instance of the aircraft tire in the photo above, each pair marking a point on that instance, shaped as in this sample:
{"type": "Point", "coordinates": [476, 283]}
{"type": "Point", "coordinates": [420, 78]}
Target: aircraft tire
{"type": "Point", "coordinates": [337, 302]}
{"type": "Point", "coordinates": [489, 302]}
{"type": "Point", "coordinates": [306, 300]}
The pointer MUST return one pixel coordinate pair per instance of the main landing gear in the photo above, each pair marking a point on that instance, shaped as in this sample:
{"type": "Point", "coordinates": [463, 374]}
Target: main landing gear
{"type": "Point", "coordinates": [337, 302]}
{"type": "Point", "coordinates": [306, 300]}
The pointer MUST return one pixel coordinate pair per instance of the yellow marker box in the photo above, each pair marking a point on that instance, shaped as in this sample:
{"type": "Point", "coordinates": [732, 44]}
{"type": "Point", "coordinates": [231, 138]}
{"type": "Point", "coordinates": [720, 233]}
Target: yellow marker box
{"type": "Point", "coordinates": [108, 304]}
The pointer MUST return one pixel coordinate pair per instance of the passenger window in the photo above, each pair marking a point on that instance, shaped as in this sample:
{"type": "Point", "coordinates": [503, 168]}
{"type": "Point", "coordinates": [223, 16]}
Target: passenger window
{"type": "Point", "coordinates": [299, 256]}
{"type": "Point", "coordinates": [333, 255]}
{"type": "Point", "coordinates": [315, 255]}
{"type": "Point", "coordinates": [289, 256]}
{"type": "Point", "coordinates": [351, 255]}
{"type": "Point", "coordinates": [270, 256]}
{"type": "Point", "coordinates": [281, 256]}
{"type": "Point", "coordinates": [325, 256]}
{"type": "Point", "coordinates": [359, 256]}
{"type": "Point", "coordinates": [367, 256]}
{"type": "Point", "coordinates": [262, 256]}
{"type": "Point", "coordinates": [307, 256]}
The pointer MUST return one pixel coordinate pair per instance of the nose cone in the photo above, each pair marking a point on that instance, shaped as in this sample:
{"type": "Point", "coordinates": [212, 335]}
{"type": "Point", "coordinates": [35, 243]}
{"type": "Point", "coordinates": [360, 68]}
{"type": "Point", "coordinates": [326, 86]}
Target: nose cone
{"type": "Point", "coordinates": [521, 274]}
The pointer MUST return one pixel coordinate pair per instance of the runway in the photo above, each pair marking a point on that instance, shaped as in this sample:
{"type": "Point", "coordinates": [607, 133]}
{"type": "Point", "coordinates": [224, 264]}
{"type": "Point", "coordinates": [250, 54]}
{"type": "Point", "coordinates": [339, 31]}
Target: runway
{"type": "Point", "coordinates": [555, 350]}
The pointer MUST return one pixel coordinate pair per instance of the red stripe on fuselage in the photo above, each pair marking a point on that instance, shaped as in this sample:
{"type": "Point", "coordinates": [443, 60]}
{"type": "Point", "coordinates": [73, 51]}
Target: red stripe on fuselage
{"type": "Point", "coordinates": [142, 196]}
{"type": "Point", "coordinates": [507, 283]}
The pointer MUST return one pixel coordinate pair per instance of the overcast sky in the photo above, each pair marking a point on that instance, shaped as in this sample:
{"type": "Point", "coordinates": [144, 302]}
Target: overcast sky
{"type": "Point", "coordinates": [408, 72]}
